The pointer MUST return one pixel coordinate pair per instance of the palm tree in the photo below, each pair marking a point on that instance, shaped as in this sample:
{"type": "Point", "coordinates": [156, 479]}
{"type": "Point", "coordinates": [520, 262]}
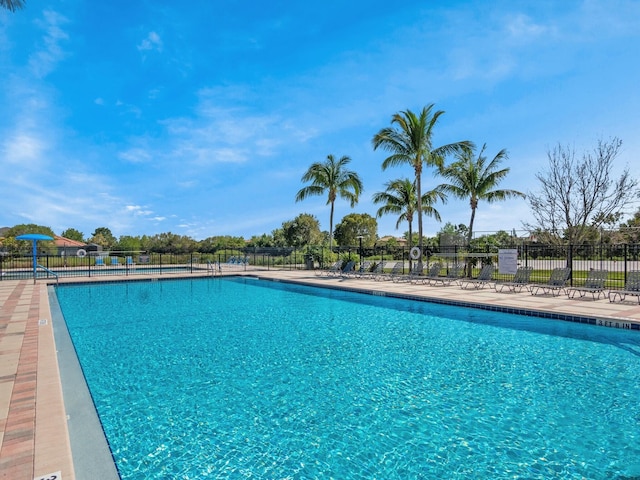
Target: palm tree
{"type": "Point", "coordinates": [331, 176]}
{"type": "Point", "coordinates": [400, 198]}
{"type": "Point", "coordinates": [12, 5]}
{"type": "Point", "coordinates": [411, 143]}
{"type": "Point", "coordinates": [475, 179]}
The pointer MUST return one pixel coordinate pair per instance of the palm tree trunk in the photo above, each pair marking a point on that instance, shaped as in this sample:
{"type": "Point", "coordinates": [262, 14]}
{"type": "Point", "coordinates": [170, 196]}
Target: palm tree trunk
{"type": "Point", "coordinates": [410, 245]}
{"type": "Point", "coordinates": [469, 236]}
{"type": "Point", "coordinates": [419, 194]}
{"type": "Point", "coordinates": [331, 229]}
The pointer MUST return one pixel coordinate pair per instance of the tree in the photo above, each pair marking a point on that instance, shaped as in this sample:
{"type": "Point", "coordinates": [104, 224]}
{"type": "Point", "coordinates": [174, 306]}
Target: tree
{"type": "Point", "coordinates": [357, 225]}
{"type": "Point", "coordinates": [400, 198]}
{"type": "Point", "coordinates": [473, 178]}
{"type": "Point", "coordinates": [127, 243]}
{"type": "Point", "coordinates": [451, 235]}
{"type": "Point", "coordinates": [220, 242]}
{"type": "Point", "coordinates": [578, 195]}
{"type": "Point", "coordinates": [264, 240]}
{"type": "Point", "coordinates": [332, 177]}
{"type": "Point", "coordinates": [12, 5]}
{"type": "Point", "coordinates": [302, 230]}
{"type": "Point", "coordinates": [631, 229]}
{"type": "Point", "coordinates": [278, 237]}
{"type": "Point", "coordinates": [73, 234]}
{"type": "Point", "coordinates": [171, 243]}
{"type": "Point", "coordinates": [102, 236]}
{"type": "Point", "coordinates": [13, 245]}
{"type": "Point", "coordinates": [411, 143]}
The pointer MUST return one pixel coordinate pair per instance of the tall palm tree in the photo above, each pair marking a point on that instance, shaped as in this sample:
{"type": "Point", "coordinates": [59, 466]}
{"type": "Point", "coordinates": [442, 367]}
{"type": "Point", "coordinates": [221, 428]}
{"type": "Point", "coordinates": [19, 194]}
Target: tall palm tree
{"type": "Point", "coordinates": [411, 143]}
{"type": "Point", "coordinates": [400, 198]}
{"type": "Point", "coordinates": [476, 179]}
{"type": "Point", "coordinates": [333, 177]}
{"type": "Point", "coordinates": [12, 5]}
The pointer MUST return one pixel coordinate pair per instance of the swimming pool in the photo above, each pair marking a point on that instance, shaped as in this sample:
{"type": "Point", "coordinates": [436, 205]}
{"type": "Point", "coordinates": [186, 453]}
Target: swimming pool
{"type": "Point", "coordinates": [235, 378]}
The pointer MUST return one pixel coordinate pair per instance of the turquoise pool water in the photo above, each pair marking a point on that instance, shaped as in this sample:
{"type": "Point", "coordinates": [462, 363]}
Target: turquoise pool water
{"type": "Point", "coordinates": [235, 378]}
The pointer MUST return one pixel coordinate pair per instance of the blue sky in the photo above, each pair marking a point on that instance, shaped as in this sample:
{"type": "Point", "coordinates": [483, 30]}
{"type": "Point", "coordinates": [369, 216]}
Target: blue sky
{"type": "Point", "coordinates": [200, 118]}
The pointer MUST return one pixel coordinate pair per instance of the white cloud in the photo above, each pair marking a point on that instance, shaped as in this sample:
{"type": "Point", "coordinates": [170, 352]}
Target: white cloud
{"type": "Point", "coordinates": [522, 28]}
{"type": "Point", "coordinates": [24, 149]}
{"type": "Point", "coordinates": [138, 210]}
{"type": "Point", "coordinates": [51, 52]}
{"type": "Point", "coordinates": [152, 42]}
{"type": "Point", "coordinates": [135, 155]}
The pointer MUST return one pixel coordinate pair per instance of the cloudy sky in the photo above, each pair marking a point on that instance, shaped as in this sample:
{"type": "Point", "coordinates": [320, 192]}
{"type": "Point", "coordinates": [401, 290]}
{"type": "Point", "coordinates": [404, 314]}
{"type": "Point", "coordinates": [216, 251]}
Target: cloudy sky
{"type": "Point", "coordinates": [200, 118]}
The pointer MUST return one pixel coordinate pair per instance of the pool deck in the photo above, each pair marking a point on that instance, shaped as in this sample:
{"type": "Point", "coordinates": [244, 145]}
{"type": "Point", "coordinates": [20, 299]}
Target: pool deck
{"type": "Point", "coordinates": [34, 434]}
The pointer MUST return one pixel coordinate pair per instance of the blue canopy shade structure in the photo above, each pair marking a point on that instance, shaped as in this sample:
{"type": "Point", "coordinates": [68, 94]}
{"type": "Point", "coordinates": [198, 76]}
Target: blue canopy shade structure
{"type": "Point", "coordinates": [34, 237]}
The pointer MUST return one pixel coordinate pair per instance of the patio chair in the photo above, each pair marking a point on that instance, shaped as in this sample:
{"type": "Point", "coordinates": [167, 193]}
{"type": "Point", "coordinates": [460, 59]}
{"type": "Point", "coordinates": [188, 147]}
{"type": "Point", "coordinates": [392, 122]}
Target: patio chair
{"type": "Point", "coordinates": [332, 269]}
{"type": "Point", "coordinates": [115, 261]}
{"type": "Point", "coordinates": [555, 285]}
{"type": "Point", "coordinates": [364, 267]}
{"type": "Point", "coordinates": [129, 262]}
{"type": "Point", "coordinates": [594, 284]}
{"type": "Point", "coordinates": [99, 262]}
{"type": "Point", "coordinates": [415, 272]}
{"type": "Point", "coordinates": [347, 268]}
{"type": "Point", "coordinates": [631, 288]}
{"type": "Point", "coordinates": [452, 276]}
{"type": "Point", "coordinates": [377, 269]}
{"type": "Point", "coordinates": [484, 278]}
{"type": "Point", "coordinates": [520, 280]}
{"type": "Point", "coordinates": [396, 269]}
{"type": "Point", "coordinates": [432, 273]}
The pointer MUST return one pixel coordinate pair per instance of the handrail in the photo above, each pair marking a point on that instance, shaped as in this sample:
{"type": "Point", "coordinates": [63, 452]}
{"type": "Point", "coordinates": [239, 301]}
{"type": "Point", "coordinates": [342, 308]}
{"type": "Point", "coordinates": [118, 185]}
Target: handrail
{"type": "Point", "coordinates": [50, 272]}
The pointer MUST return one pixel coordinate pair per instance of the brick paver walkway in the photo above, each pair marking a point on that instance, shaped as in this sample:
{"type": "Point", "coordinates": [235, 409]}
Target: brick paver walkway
{"type": "Point", "coordinates": [33, 441]}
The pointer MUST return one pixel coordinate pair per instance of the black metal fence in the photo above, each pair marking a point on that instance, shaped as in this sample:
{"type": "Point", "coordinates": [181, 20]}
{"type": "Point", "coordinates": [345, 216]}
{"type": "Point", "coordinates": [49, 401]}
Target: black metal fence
{"type": "Point", "coordinates": [618, 260]}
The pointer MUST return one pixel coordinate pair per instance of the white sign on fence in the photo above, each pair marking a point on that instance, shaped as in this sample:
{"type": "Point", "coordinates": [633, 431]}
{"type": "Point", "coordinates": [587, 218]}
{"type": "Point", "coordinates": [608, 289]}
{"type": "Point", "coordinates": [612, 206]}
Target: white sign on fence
{"type": "Point", "coordinates": [508, 260]}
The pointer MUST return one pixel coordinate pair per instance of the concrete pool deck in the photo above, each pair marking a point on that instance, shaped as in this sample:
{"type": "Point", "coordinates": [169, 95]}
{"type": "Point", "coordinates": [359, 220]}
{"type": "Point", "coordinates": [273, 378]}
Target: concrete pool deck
{"type": "Point", "coordinates": [34, 432]}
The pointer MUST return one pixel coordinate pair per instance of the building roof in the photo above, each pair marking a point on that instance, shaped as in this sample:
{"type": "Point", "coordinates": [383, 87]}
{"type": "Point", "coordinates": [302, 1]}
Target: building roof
{"type": "Point", "coordinates": [400, 240]}
{"type": "Point", "coordinates": [63, 242]}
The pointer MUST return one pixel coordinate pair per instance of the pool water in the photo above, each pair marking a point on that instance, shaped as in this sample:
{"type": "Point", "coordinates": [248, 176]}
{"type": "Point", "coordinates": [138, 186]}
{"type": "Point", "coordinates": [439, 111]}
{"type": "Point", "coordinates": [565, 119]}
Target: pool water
{"type": "Point", "coordinates": [241, 378]}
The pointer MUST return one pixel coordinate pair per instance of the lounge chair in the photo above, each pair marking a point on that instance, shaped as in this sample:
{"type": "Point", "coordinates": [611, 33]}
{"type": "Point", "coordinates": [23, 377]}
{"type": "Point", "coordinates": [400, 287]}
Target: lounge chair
{"type": "Point", "coordinates": [452, 276]}
{"type": "Point", "coordinates": [396, 269]}
{"type": "Point", "coordinates": [335, 267]}
{"type": "Point", "coordinates": [348, 268]}
{"type": "Point", "coordinates": [414, 275]}
{"type": "Point", "coordinates": [594, 284]}
{"type": "Point", "coordinates": [99, 262]}
{"type": "Point", "coordinates": [556, 284]}
{"type": "Point", "coordinates": [115, 261]}
{"type": "Point", "coordinates": [631, 288]}
{"type": "Point", "coordinates": [377, 269]}
{"type": "Point", "coordinates": [520, 280]}
{"type": "Point", "coordinates": [484, 278]}
{"type": "Point", "coordinates": [433, 273]}
{"type": "Point", "coordinates": [415, 272]}
{"type": "Point", "coordinates": [129, 262]}
{"type": "Point", "coordinates": [363, 268]}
